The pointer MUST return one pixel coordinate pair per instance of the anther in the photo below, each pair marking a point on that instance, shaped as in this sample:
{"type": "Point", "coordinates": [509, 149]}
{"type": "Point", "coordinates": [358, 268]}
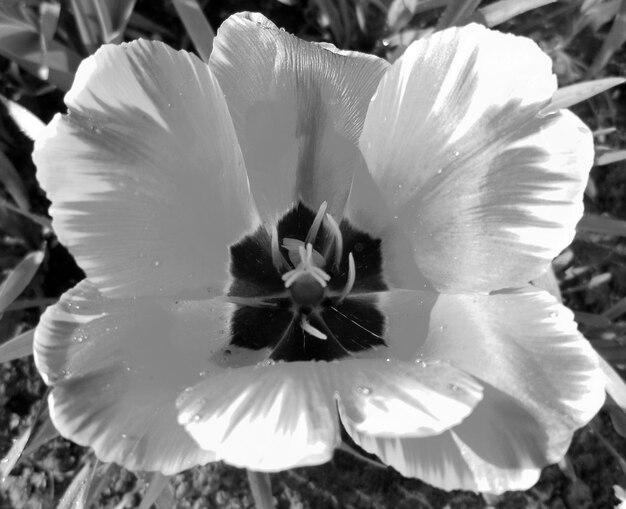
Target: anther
{"type": "Point", "coordinates": [278, 260]}
{"type": "Point", "coordinates": [315, 226]}
{"type": "Point", "coordinates": [306, 267]}
{"type": "Point", "coordinates": [351, 278]}
{"type": "Point", "coordinates": [337, 240]}
{"type": "Point", "coordinates": [307, 327]}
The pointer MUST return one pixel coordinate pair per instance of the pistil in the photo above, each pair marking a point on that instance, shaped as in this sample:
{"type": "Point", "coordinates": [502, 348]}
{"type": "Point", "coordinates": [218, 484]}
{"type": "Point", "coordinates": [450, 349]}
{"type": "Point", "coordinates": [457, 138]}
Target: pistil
{"type": "Point", "coordinates": [306, 267]}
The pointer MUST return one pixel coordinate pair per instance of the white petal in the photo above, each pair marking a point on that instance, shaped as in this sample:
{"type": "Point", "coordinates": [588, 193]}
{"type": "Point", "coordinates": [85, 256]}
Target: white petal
{"type": "Point", "coordinates": [265, 418]}
{"type": "Point", "coordinates": [116, 367]}
{"type": "Point", "coordinates": [145, 175]}
{"type": "Point", "coordinates": [274, 417]}
{"type": "Point", "coordinates": [435, 460]}
{"type": "Point", "coordinates": [487, 191]}
{"type": "Point", "coordinates": [542, 376]}
{"type": "Point", "coordinates": [298, 110]}
{"type": "Point", "coordinates": [447, 463]}
{"type": "Point", "coordinates": [540, 379]}
{"type": "Point", "coordinates": [391, 398]}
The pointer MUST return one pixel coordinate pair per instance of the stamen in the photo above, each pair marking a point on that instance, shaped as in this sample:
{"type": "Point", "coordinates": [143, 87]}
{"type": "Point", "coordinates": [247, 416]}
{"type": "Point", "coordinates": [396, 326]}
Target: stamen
{"type": "Point", "coordinates": [351, 278]}
{"type": "Point", "coordinates": [253, 302]}
{"type": "Point", "coordinates": [337, 238]}
{"type": "Point", "coordinates": [307, 327]}
{"type": "Point", "coordinates": [315, 226]}
{"type": "Point", "coordinates": [278, 260]}
{"type": "Point", "coordinates": [306, 266]}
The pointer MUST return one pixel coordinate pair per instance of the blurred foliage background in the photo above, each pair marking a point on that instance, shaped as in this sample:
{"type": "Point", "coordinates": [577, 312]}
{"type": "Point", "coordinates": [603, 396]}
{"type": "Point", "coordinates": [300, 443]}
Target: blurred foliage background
{"type": "Point", "coordinates": [42, 43]}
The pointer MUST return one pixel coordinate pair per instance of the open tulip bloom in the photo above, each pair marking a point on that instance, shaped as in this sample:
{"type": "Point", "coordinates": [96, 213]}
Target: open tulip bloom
{"type": "Point", "coordinates": [292, 239]}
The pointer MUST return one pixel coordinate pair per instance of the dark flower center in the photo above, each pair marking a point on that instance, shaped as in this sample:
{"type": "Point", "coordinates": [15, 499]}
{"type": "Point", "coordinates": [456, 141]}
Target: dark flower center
{"type": "Point", "coordinates": [306, 288]}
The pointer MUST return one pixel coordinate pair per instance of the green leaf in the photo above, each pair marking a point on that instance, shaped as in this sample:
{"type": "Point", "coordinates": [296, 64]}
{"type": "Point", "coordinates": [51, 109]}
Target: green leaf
{"type": "Point", "coordinates": [17, 449]}
{"type": "Point", "coordinates": [573, 94]}
{"type": "Point", "coordinates": [400, 12]}
{"type": "Point", "coordinates": [102, 21]}
{"type": "Point", "coordinates": [597, 13]}
{"type": "Point", "coordinates": [19, 278]}
{"type": "Point", "coordinates": [165, 499]}
{"type": "Point", "coordinates": [48, 22]}
{"type": "Point", "coordinates": [40, 220]}
{"type": "Point", "coordinates": [261, 487]}
{"type": "Point", "coordinates": [12, 182]}
{"type": "Point", "coordinates": [27, 122]}
{"type": "Point", "coordinates": [616, 310]}
{"type": "Point", "coordinates": [612, 42]}
{"type": "Point", "coordinates": [601, 224]}
{"type": "Point", "coordinates": [197, 26]}
{"type": "Point", "coordinates": [43, 430]}
{"type": "Point", "coordinates": [76, 494]}
{"type": "Point", "coordinates": [156, 483]}
{"type": "Point", "coordinates": [17, 347]}
{"type": "Point", "coordinates": [12, 457]}
{"type": "Point", "coordinates": [616, 399]}
{"type": "Point", "coordinates": [610, 157]}
{"type": "Point", "coordinates": [458, 12]}
{"type": "Point", "coordinates": [498, 12]}
{"type": "Point", "coordinates": [20, 42]}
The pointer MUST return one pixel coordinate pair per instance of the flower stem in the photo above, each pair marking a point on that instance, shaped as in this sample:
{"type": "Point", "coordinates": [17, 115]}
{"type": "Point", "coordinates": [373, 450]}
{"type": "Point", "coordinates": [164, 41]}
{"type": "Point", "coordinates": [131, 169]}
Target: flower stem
{"type": "Point", "coordinates": [261, 487]}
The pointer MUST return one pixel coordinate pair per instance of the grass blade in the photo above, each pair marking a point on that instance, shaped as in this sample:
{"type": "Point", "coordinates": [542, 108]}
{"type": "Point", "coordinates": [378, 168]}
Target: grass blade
{"type": "Point", "coordinates": [17, 449]}
{"type": "Point", "coordinates": [40, 220]}
{"type": "Point", "coordinates": [13, 456]}
{"type": "Point", "coordinates": [157, 482]}
{"type": "Point", "coordinates": [612, 42]}
{"type": "Point", "coordinates": [18, 347]}
{"type": "Point", "coordinates": [603, 225]}
{"type": "Point", "coordinates": [19, 278]}
{"type": "Point", "coordinates": [76, 495]}
{"type": "Point", "coordinates": [20, 42]}
{"type": "Point", "coordinates": [498, 12]}
{"type": "Point", "coordinates": [27, 122]}
{"type": "Point", "coordinates": [197, 26]}
{"type": "Point", "coordinates": [616, 389]}
{"type": "Point", "coordinates": [610, 157]}
{"type": "Point", "coordinates": [12, 182]}
{"type": "Point", "coordinates": [457, 13]}
{"type": "Point", "coordinates": [574, 94]}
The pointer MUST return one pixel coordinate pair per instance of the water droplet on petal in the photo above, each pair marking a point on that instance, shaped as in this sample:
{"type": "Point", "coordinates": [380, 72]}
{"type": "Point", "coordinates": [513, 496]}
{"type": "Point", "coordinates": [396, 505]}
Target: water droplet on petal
{"type": "Point", "coordinates": [456, 153]}
{"type": "Point", "coordinates": [554, 314]}
{"type": "Point", "coordinates": [124, 435]}
{"type": "Point", "coordinates": [157, 263]}
{"type": "Point", "coordinates": [439, 171]}
{"type": "Point", "coordinates": [454, 387]}
{"type": "Point", "coordinates": [366, 391]}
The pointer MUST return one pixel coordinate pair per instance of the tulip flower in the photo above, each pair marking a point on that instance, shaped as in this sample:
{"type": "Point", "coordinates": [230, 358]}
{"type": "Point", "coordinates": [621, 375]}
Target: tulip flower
{"type": "Point", "coordinates": [293, 239]}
